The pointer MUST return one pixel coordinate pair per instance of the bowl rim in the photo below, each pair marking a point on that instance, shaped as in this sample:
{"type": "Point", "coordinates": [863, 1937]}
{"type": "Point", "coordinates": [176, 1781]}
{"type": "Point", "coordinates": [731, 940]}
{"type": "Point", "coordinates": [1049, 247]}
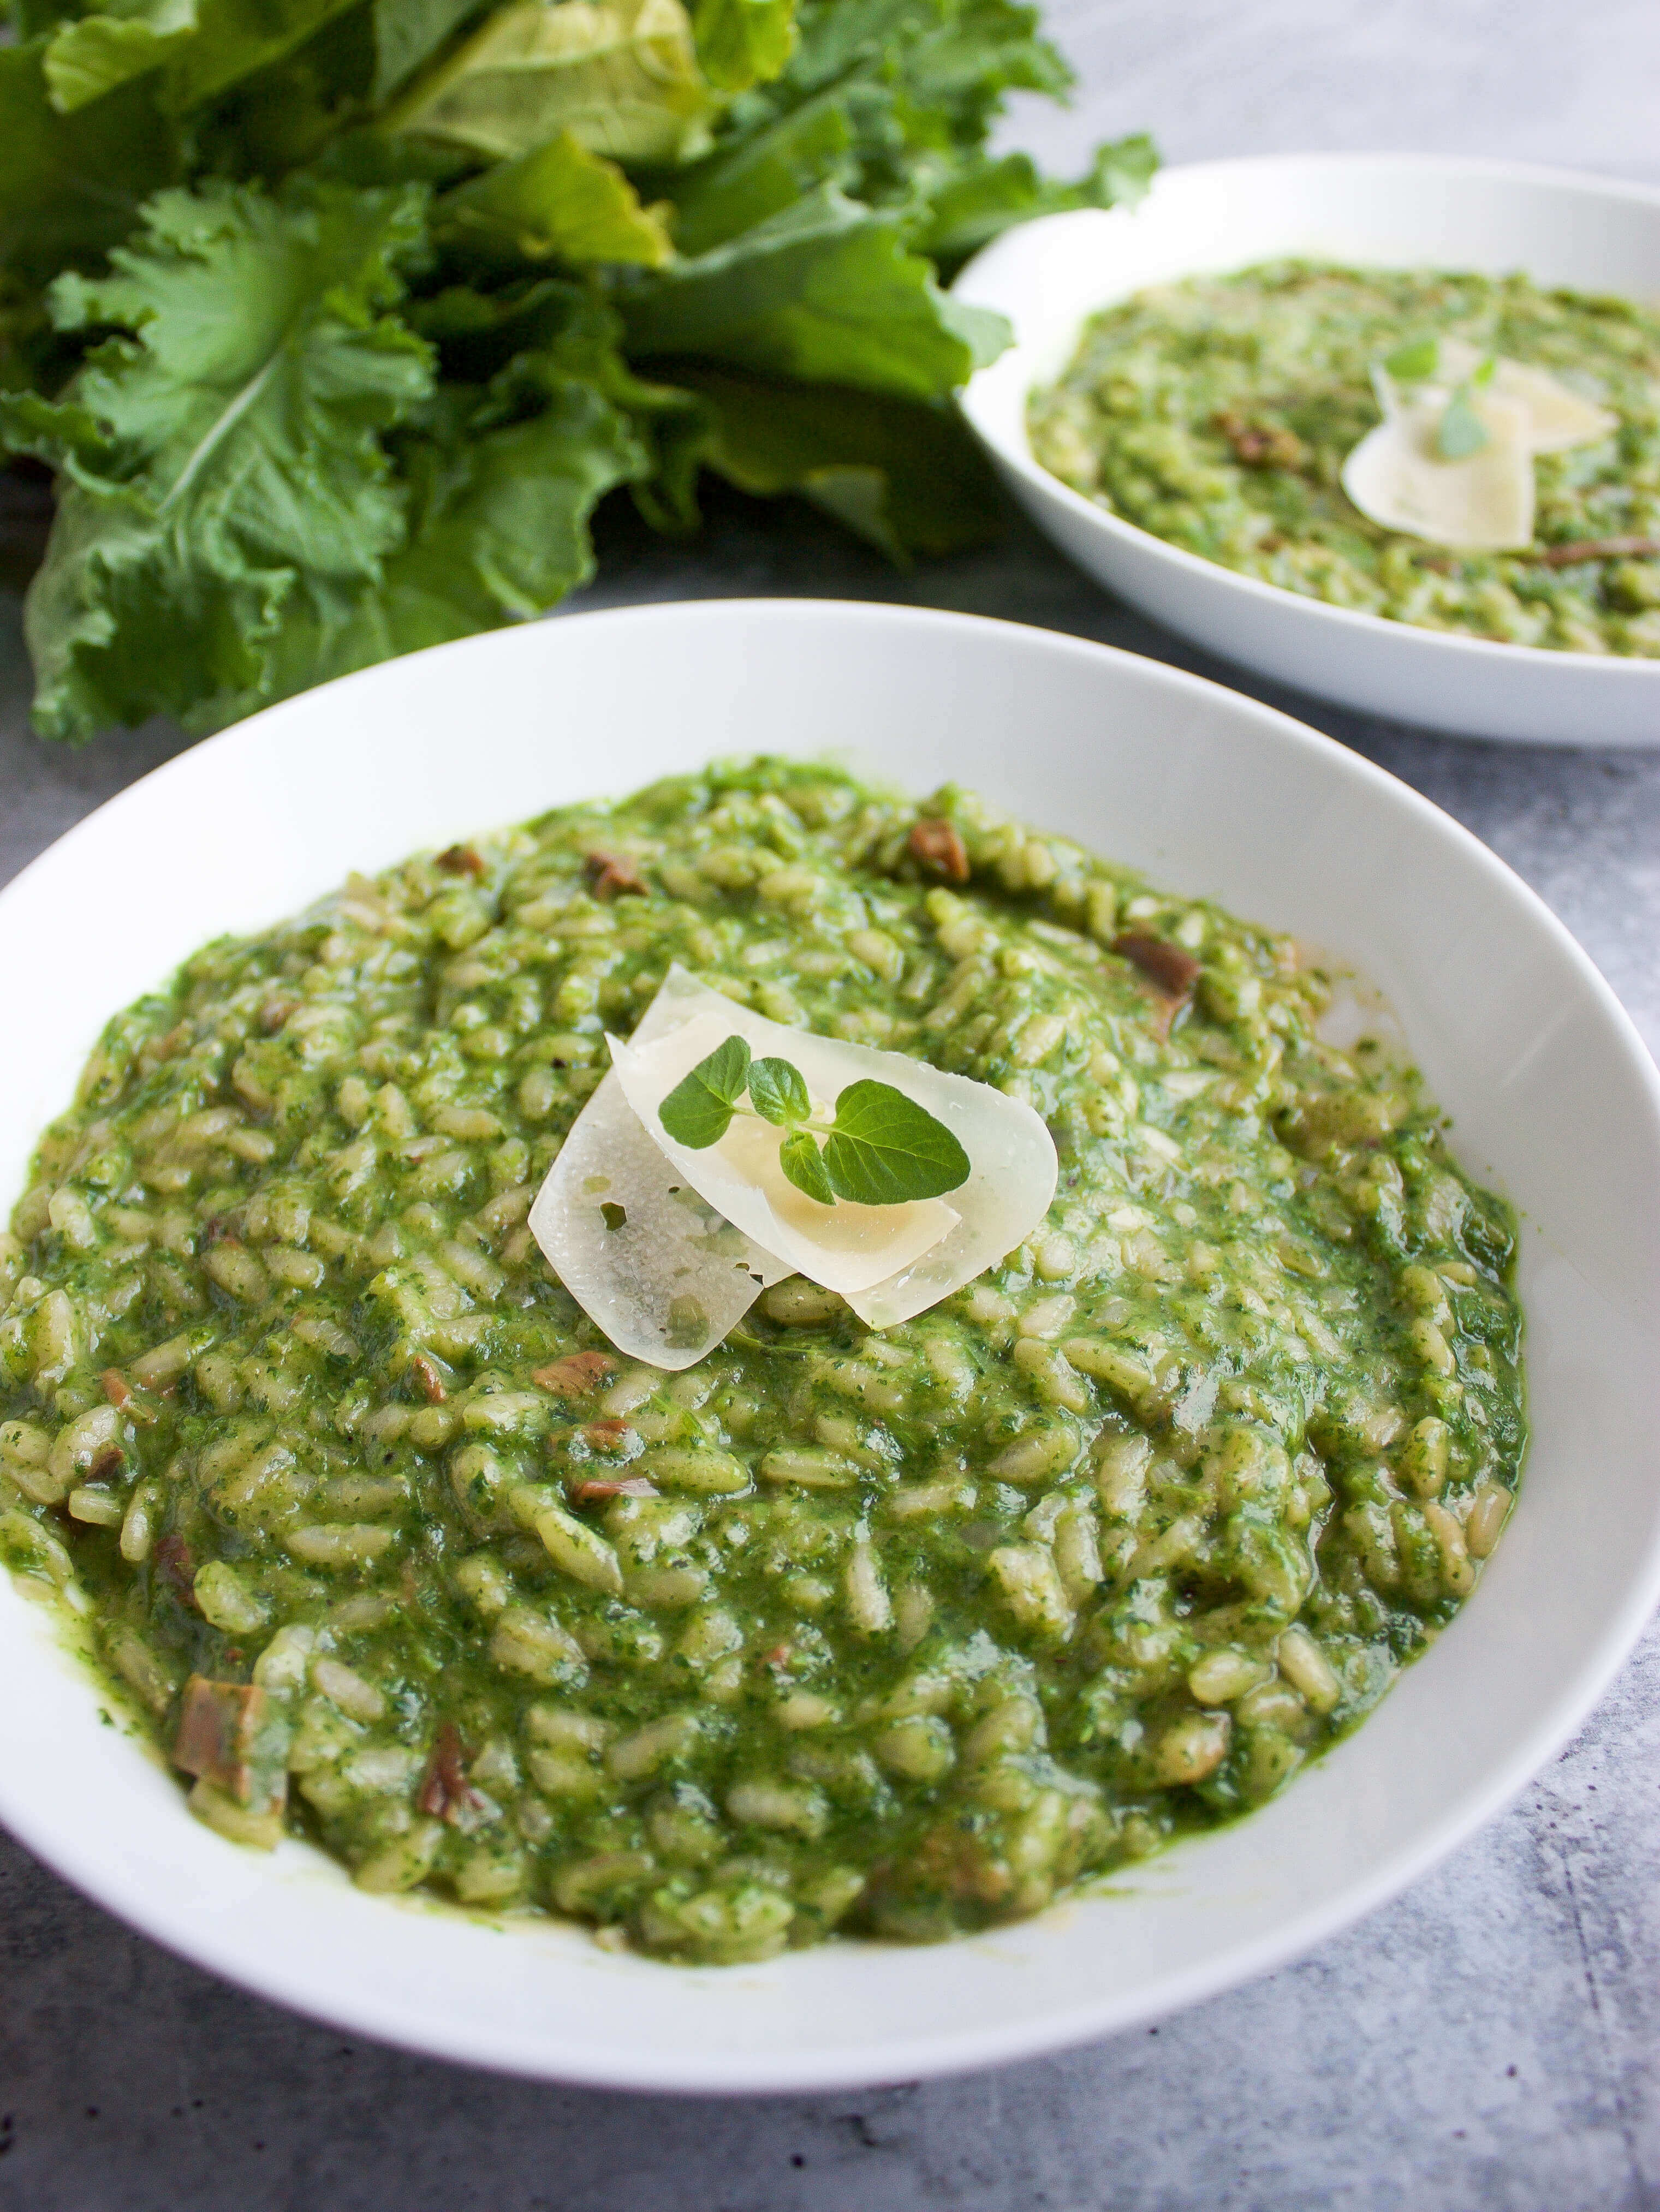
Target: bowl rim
{"type": "Point", "coordinates": [75, 1855]}
{"type": "Point", "coordinates": [987, 267]}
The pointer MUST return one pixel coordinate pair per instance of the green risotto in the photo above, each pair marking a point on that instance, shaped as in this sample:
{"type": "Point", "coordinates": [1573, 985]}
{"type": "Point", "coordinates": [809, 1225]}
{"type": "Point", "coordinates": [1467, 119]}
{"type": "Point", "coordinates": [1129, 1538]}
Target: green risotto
{"type": "Point", "coordinates": [1218, 414]}
{"type": "Point", "coordinates": [903, 1633]}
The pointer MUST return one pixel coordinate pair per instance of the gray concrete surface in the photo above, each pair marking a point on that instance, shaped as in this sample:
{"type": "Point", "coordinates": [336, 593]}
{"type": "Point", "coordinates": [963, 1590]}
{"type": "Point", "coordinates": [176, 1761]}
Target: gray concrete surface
{"type": "Point", "coordinates": [1491, 2040]}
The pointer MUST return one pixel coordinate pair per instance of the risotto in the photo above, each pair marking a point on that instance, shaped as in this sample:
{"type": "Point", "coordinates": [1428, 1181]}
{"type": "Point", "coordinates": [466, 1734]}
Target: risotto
{"type": "Point", "coordinates": [899, 1632]}
{"type": "Point", "coordinates": [1219, 413]}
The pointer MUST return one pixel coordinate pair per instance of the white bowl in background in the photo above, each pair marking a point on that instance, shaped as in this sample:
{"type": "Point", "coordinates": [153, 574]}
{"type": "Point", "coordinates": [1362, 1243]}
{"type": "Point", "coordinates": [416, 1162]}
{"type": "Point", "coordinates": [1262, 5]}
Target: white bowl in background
{"type": "Point", "coordinates": [1390, 211]}
{"type": "Point", "coordinates": [1555, 1101]}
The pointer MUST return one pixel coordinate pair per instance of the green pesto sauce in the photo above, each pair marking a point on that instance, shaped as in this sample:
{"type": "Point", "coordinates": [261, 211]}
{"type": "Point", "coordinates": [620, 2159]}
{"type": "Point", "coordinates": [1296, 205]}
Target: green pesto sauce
{"type": "Point", "coordinates": [919, 1628]}
{"type": "Point", "coordinates": [1218, 414]}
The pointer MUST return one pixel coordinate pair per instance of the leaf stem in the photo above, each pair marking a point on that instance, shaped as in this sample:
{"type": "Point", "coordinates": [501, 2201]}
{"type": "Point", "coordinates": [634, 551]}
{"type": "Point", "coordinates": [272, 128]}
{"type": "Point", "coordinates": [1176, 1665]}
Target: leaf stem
{"type": "Point", "coordinates": [823, 1120]}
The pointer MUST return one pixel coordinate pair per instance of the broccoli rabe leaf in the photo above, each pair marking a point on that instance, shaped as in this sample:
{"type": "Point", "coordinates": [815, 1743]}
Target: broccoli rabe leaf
{"type": "Point", "coordinates": [88, 57]}
{"type": "Point", "coordinates": [205, 48]}
{"type": "Point", "coordinates": [407, 35]}
{"type": "Point", "coordinates": [336, 317]}
{"type": "Point", "coordinates": [71, 185]}
{"type": "Point", "coordinates": [762, 174]}
{"type": "Point", "coordinates": [621, 75]}
{"type": "Point", "coordinates": [921, 78]}
{"type": "Point", "coordinates": [904, 475]}
{"type": "Point", "coordinates": [501, 479]}
{"type": "Point", "coordinates": [289, 112]}
{"type": "Point", "coordinates": [744, 42]}
{"type": "Point", "coordinates": [236, 38]}
{"type": "Point", "coordinates": [499, 534]}
{"type": "Point", "coordinates": [976, 200]}
{"type": "Point", "coordinates": [827, 292]}
{"type": "Point", "coordinates": [558, 200]}
{"type": "Point", "coordinates": [27, 19]}
{"type": "Point", "coordinates": [221, 467]}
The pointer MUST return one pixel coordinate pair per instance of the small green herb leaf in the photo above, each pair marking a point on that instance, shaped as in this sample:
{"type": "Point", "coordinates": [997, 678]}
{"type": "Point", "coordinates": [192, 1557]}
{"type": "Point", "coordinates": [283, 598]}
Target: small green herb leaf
{"type": "Point", "coordinates": [1461, 432]}
{"type": "Point", "coordinates": [1484, 375]}
{"type": "Point", "coordinates": [778, 1091]}
{"type": "Point", "coordinates": [698, 1111]}
{"type": "Point", "coordinates": [885, 1148]}
{"type": "Point", "coordinates": [1414, 363]}
{"type": "Point", "coordinates": [804, 1164]}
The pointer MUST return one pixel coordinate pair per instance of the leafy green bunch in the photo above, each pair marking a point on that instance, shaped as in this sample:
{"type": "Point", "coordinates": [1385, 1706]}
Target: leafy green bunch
{"type": "Point", "coordinates": [336, 318]}
{"type": "Point", "coordinates": [880, 1148]}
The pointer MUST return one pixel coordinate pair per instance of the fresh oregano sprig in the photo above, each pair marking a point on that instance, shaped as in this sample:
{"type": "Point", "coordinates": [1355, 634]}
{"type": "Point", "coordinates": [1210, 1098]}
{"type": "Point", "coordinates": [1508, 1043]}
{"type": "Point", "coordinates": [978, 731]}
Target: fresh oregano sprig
{"type": "Point", "coordinates": [1460, 431]}
{"type": "Point", "coordinates": [881, 1148]}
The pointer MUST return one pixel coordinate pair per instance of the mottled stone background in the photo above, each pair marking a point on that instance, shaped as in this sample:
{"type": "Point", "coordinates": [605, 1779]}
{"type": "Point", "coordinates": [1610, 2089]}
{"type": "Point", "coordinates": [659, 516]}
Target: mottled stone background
{"type": "Point", "coordinates": [1490, 2040]}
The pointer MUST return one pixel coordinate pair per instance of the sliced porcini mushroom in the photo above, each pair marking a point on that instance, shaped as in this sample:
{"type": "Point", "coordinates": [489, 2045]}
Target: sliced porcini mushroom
{"type": "Point", "coordinates": [218, 1739]}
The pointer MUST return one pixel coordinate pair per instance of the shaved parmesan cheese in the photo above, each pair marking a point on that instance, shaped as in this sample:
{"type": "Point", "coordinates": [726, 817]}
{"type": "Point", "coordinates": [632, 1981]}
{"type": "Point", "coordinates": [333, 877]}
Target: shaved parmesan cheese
{"type": "Point", "coordinates": [1013, 1172]}
{"type": "Point", "coordinates": [1397, 476]}
{"type": "Point", "coordinates": [644, 1256]}
{"type": "Point", "coordinates": [702, 1231]}
{"type": "Point", "coordinates": [1556, 418]}
{"type": "Point", "coordinates": [846, 1248]}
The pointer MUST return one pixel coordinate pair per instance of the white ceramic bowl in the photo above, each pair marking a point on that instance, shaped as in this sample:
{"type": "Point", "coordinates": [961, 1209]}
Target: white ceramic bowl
{"type": "Point", "coordinates": [1555, 1098]}
{"type": "Point", "coordinates": [1391, 210]}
